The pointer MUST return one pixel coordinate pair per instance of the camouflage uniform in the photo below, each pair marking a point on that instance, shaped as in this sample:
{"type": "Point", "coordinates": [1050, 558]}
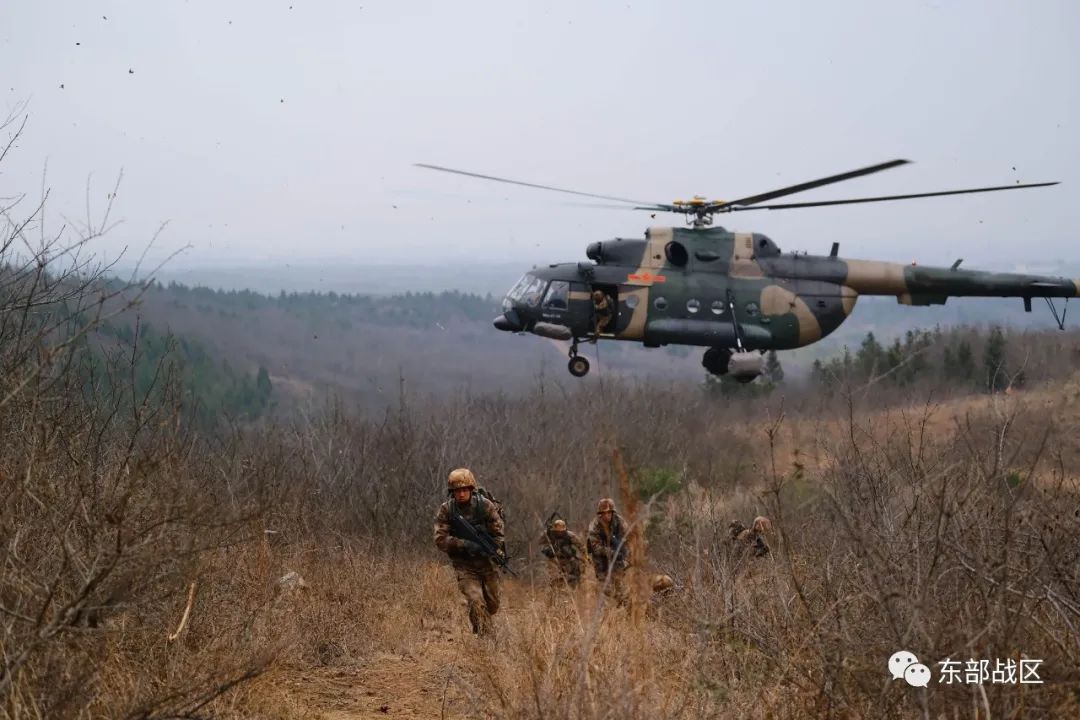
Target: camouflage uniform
{"type": "Point", "coordinates": [602, 312]}
{"type": "Point", "coordinates": [751, 537]}
{"type": "Point", "coordinates": [663, 589]}
{"type": "Point", "coordinates": [566, 553]}
{"type": "Point", "coordinates": [477, 576]}
{"type": "Point", "coordinates": [609, 552]}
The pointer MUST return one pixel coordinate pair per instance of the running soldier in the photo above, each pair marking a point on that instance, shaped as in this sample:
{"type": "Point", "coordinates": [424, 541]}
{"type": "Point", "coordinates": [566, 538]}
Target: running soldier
{"type": "Point", "coordinates": [565, 553]}
{"type": "Point", "coordinates": [477, 574]}
{"type": "Point", "coordinates": [608, 549]}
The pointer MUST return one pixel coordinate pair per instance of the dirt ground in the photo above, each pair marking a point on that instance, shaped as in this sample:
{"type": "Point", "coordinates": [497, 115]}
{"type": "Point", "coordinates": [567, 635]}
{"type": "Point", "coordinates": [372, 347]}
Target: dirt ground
{"type": "Point", "coordinates": [434, 676]}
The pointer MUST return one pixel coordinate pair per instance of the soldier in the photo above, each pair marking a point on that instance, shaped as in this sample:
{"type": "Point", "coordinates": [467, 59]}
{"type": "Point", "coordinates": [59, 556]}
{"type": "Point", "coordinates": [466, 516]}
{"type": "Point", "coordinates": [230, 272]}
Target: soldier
{"type": "Point", "coordinates": [663, 588]}
{"type": "Point", "coordinates": [602, 313]}
{"type": "Point", "coordinates": [566, 553]}
{"type": "Point", "coordinates": [477, 576]}
{"type": "Point", "coordinates": [607, 546]}
{"type": "Point", "coordinates": [753, 536]}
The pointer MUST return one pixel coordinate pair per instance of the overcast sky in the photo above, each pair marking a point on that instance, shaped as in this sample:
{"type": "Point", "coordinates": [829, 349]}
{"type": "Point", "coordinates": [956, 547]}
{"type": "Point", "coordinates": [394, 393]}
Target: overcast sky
{"type": "Point", "coordinates": [286, 130]}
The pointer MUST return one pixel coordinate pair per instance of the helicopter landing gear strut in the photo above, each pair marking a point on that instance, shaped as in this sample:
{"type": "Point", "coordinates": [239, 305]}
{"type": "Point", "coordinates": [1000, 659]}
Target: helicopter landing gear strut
{"type": "Point", "coordinates": [578, 365]}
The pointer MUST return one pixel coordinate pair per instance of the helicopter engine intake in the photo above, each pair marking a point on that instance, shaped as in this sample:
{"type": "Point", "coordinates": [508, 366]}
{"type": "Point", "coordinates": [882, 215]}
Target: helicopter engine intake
{"type": "Point", "coordinates": [616, 252]}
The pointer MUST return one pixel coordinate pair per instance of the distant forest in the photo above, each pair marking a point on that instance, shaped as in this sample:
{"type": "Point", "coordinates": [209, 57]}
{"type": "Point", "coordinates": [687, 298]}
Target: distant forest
{"type": "Point", "coordinates": [239, 355]}
{"type": "Point", "coordinates": [418, 310]}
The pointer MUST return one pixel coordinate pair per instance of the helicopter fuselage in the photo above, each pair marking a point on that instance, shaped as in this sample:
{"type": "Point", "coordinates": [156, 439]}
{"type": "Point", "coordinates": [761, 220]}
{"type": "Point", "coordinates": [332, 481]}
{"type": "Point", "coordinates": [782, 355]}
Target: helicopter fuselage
{"type": "Point", "coordinates": [737, 291]}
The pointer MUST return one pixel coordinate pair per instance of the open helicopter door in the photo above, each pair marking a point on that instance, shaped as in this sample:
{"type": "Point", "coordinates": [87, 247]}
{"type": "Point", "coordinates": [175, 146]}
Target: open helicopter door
{"type": "Point", "coordinates": [608, 304]}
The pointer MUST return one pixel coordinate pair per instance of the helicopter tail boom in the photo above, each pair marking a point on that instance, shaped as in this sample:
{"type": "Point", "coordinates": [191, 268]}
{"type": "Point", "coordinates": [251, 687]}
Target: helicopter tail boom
{"type": "Point", "coordinates": [919, 285]}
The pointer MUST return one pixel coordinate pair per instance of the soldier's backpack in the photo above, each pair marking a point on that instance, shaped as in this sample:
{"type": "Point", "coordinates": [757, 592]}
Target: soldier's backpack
{"type": "Point", "coordinates": [491, 499]}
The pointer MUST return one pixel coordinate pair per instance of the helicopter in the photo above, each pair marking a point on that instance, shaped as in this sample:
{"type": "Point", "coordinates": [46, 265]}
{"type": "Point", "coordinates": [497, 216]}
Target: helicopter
{"type": "Point", "coordinates": [734, 293]}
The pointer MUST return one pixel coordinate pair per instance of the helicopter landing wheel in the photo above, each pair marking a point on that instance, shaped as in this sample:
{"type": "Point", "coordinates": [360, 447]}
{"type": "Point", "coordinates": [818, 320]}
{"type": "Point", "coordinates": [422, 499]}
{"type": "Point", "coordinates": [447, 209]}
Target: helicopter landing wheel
{"type": "Point", "coordinates": [578, 366]}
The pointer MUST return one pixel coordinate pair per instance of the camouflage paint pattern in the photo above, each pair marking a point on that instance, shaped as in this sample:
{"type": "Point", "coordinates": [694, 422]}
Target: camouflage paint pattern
{"type": "Point", "coordinates": [711, 287]}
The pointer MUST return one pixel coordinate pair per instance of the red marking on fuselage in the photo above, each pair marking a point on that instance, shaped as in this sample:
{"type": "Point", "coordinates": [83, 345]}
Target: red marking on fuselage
{"type": "Point", "coordinates": [646, 277]}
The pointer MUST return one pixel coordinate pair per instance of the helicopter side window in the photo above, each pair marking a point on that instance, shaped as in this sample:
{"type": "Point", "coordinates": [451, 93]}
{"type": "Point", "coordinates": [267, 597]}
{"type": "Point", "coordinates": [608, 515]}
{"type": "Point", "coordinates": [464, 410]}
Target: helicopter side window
{"type": "Point", "coordinates": [557, 295]}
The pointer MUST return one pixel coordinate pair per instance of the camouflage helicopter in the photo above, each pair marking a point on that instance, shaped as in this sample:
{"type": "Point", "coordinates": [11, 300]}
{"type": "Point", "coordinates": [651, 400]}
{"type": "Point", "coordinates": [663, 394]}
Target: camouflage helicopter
{"type": "Point", "coordinates": [734, 293]}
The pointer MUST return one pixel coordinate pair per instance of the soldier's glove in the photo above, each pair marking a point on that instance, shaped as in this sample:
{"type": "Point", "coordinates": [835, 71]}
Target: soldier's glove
{"type": "Point", "coordinates": [547, 551]}
{"type": "Point", "coordinates": [471, 548]}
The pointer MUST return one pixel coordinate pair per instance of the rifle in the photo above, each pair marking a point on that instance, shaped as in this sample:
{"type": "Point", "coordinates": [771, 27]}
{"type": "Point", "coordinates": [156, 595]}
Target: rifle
{"type": "Point", "coordinates": [463, 529]}
{"type": "Point", "coordinates": [620, 553]}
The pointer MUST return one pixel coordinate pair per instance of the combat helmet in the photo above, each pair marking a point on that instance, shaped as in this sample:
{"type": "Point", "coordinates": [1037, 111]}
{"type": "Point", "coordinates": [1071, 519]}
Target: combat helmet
{"type": "Point", "coordinates": [604, 505]}
{"type": "Point", "coordinates": [660, 583]}
{"type": "Point", "coordinates": [559, 525]}
{"type": "Point", "coordinates": [460, 478]}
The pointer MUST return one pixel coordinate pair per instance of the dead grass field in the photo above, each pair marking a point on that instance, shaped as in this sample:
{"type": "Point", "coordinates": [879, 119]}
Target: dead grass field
{"type": "Point", "coordinates": [949, 529]}
{"type": "Point", "coordinates": [381, 632]}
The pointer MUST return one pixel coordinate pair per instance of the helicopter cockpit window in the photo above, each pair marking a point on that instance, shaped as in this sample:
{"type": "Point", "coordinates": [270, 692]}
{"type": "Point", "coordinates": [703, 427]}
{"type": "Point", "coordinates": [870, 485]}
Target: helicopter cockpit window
{"type": "Point", "coordinates": [519, 288]}
{"type": "Point", "coordinates": [557, 295]}
{"type": "Point", "coordinates": [533, 291]}
{"type": "Point", "coordinates": [528, 289]}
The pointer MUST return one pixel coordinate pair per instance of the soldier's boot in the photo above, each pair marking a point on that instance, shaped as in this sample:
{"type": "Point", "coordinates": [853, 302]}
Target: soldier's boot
{"type": "Point", "coordinates": [481, 620]}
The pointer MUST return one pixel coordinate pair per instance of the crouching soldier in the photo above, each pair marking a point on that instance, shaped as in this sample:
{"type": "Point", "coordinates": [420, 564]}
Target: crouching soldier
{"type": "Point", "coordinates": [477, 573]}
{"type": "Point", "coordinates": [663, 589]}
{"type": "Point", "coordinates": [608, 549]}
{"type": "Point", "coordinates": [565, 553]}
{"type": "Point", "coordinates": [753, 536]}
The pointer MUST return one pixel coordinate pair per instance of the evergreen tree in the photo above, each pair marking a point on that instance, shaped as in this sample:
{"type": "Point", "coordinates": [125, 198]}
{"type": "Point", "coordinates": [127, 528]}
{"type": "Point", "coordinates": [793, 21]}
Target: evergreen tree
{"type": "Point", "coordinates": [997, 372]}
{"type": "Point", "coordinates": [948, 363]}
{"type": "Point", "coordinates": [772, 371]}
{"type": "Point", "coordinates": [869, 359]}
{"type": "Point", "coordinates": [965, 362]}
{"type": "Point", "coordinates": [262, 382]}
{"type": "Point", "coordinates": [958, 363]}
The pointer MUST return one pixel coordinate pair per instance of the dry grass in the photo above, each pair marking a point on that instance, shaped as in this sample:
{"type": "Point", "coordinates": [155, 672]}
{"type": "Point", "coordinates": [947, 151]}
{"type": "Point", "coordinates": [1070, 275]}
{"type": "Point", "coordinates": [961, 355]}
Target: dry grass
{"type": "Point", "coordinates": [950, 531]}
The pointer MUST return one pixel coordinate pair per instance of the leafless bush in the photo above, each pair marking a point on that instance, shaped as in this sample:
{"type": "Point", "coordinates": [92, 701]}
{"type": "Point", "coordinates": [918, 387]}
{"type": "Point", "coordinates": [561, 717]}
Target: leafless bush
{"type": "Point", "coordinates": [111, 508]}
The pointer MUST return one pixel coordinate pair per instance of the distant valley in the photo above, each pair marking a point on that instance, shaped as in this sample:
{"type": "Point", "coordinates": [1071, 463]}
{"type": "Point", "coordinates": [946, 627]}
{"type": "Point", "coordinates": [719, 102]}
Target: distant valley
{"type": "Point", "coordinates": [363, 332]}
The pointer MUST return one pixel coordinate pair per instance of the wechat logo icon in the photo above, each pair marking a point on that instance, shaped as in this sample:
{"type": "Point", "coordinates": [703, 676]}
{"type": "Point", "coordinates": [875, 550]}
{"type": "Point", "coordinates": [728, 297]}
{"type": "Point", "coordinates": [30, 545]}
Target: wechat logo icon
{"type": "Point", "coordinates": [904, 664]}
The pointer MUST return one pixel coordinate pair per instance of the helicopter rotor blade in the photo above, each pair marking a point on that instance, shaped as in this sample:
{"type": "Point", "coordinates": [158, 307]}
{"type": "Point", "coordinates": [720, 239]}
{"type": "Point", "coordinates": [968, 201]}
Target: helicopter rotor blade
{"type": "Point", "coordinates": [754, 199]}
{"type": "Point", "coordinates": [612, 206]}
{"type": "Point", "coordinates": [528, 184]}
{"type": "Point", "coordinates": [884, 198]}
